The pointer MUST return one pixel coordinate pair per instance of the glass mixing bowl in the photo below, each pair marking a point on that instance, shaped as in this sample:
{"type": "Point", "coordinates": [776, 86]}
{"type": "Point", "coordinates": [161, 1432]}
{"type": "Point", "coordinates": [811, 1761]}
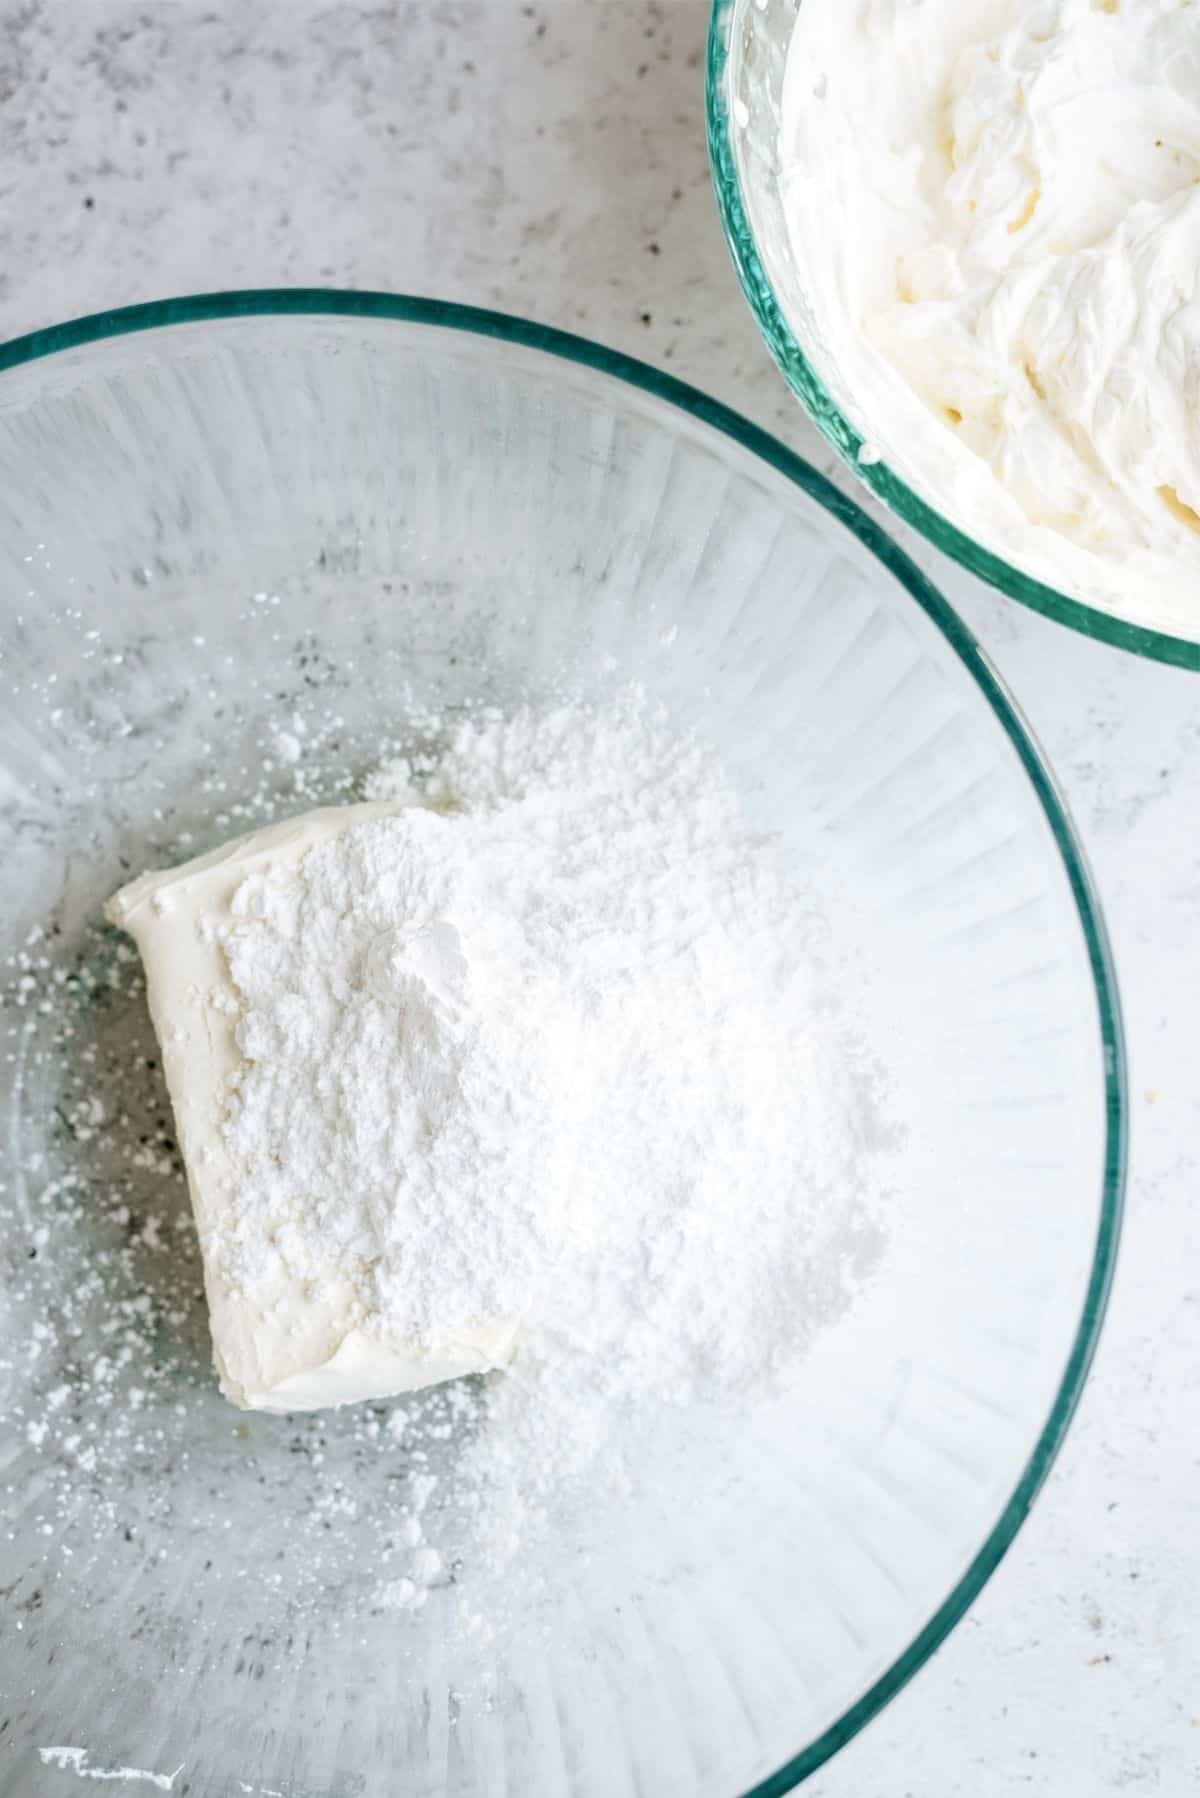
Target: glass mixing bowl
{"type": "Point", "coordinates": [747, 55]}
{"type": "Point", "coordinates": [243, 538]}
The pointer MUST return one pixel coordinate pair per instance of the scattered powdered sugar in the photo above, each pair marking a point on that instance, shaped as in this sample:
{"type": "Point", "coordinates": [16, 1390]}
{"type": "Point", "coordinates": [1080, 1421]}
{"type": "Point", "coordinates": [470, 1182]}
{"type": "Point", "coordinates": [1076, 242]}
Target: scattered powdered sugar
{"type": "Point", "coordinates": [407, 1114]}
{"type": "Point", "coordinates": [75, 1760]}
{"type": "Point", "coordinates": [554, 1042]}
{"type": "Point", "coordinates": [561, 1039]}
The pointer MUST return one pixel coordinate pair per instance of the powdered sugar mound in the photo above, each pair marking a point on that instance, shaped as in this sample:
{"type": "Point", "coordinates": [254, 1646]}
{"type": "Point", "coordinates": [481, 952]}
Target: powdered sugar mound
{"type": "Point", "coordinates": [405, 1115]}
{"type": "Point", "coordinates": [641, 1115]}
{"type": "Point", "coordinates": [725, 1193]}
{"type": "Point", "coordinates": [547, 1050]}
{"type": "Point", "coordinates": [572, 974]}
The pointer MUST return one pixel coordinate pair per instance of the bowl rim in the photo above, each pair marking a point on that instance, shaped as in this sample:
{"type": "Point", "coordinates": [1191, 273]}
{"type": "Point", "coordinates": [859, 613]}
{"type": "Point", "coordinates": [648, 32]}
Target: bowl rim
{"type": "Point", "coordinates": [802, 377]}
{"type": "Point", "coordinates": [567, 347]}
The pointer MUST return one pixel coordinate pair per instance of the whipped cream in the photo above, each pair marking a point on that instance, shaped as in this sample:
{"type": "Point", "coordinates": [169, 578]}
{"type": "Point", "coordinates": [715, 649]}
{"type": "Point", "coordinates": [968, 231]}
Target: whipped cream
{"type": "Point", "coordinates": [994, 212]}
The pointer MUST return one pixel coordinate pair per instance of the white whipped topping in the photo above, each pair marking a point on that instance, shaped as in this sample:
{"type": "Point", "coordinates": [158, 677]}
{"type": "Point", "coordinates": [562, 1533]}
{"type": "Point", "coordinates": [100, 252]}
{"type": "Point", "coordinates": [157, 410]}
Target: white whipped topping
{"type": "Point", "coordinates": [993, 207]}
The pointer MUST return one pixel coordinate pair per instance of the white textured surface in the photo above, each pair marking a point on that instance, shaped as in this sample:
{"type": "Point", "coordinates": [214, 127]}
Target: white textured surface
{"type": "Point", "coordinates": [549, 159]}
{"type": "Point", "coordinates": [992, 211]}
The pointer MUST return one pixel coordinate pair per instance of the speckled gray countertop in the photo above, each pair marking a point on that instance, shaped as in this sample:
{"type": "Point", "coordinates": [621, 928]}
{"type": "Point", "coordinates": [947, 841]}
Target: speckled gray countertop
{"type": "Point", "coordinates": [549, 159]}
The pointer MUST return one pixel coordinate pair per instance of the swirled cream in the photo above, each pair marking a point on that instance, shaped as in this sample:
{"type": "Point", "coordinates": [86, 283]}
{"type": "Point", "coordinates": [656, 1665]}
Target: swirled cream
{"type": "Point", "coordinates": [994, 210]}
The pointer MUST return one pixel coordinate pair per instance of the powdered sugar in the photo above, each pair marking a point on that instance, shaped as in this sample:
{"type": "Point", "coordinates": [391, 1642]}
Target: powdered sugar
{"type": "Point", "coordinates": [549, 1050]}
{"type": "Point", "coordinates": [76, 1760]}
{"type": "Point", "coordinates": [721, 1187]}
{"type": "Point", "coordinates": [555, 1041]}
{"type": "Point", "coordinates": [404, 1115]}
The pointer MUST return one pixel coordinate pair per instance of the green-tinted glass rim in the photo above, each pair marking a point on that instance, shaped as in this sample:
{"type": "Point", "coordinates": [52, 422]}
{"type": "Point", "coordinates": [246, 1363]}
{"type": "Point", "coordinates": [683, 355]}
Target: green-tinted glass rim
{"type": "Point", "coordinates": [832, 423]}
{"type": "Point", "coordinates": [275, 302]}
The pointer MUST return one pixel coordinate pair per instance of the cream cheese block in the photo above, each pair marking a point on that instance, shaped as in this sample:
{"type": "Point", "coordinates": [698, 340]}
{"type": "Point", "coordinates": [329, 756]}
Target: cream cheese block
{"type": "Point", "coordinates": [280, 1343]}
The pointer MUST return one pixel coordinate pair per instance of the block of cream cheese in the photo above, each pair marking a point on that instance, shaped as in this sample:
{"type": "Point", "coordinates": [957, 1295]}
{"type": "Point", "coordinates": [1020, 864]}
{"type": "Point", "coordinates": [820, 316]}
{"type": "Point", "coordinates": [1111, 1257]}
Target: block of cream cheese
{"type": "Point", "coordinates": [278, 1345]}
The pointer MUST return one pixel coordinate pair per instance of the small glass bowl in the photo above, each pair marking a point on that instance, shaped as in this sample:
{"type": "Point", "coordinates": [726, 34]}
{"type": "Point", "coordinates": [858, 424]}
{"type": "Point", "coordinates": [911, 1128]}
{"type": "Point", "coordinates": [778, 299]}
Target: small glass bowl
{"type": "Point", "coordinates": [747, 55]}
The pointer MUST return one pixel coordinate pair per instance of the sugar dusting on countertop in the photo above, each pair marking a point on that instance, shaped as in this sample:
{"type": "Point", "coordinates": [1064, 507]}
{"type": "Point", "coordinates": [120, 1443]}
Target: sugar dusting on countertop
{"type": "Point", "coordinates": [78, 1761]}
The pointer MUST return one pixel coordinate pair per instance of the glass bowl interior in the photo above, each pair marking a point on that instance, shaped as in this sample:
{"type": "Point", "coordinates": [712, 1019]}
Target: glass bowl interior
{"type": "Point", "coordinates": [747, 56]}
{"type": "Point", "coordinates": [323, 513]}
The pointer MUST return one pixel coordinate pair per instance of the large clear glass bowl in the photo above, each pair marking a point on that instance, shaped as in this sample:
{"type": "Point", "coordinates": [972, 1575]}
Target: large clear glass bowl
{"type": "Point", "coordinates": [243, 539]}
{"type": "Point", "coordinates": [747, 55]}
